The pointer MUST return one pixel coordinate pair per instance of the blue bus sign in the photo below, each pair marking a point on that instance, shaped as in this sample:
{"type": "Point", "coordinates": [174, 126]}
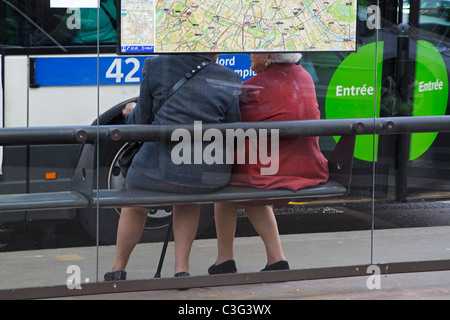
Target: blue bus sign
{"type": "Point", "coordinates": [127, 70]}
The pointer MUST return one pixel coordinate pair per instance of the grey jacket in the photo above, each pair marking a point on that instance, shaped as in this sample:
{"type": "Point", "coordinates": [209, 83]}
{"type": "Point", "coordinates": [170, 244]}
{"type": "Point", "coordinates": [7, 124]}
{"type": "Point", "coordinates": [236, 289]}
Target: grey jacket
{"type": "Point", "coordinates": [210, 97]}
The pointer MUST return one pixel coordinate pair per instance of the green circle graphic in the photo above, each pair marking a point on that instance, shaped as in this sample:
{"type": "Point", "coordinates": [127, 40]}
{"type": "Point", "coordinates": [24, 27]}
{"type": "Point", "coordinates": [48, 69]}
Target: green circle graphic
{"type": "Point", "coordinates": [355, 90]}
{"type": "Point", "coordinates": [430, 93]}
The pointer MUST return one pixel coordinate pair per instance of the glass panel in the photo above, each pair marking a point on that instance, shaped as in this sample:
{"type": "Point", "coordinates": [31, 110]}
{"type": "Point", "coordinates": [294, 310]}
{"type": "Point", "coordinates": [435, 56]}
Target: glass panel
{"type": "Point", "coordinates": [348, 86]}
{"type": "Point", "coordinates": [412, 203]}
{"type": "Point", "coordinates": [315, 233]}
{"type": "Point", "coordinates": [26, 23]}
{"type": "Point", "coordinates": [45, 88]}
{"type": "Point", "coordinates": [55, 75]}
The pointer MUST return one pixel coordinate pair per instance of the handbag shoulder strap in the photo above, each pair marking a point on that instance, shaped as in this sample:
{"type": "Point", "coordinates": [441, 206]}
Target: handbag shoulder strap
{"type": "Point", "coordinates": [179, 84]}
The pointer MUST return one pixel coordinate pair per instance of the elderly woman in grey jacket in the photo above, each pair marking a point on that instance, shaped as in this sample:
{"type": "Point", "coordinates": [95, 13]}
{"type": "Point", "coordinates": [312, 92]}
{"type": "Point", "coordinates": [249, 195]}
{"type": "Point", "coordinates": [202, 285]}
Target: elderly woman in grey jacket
{"type": "Point", "coordinates": [209, 97]}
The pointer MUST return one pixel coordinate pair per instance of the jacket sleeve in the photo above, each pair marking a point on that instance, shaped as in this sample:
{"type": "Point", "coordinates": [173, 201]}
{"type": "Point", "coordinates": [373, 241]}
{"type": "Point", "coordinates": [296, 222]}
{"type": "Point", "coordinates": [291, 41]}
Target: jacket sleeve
{"type": "Point", "coordinates": [142, 113]}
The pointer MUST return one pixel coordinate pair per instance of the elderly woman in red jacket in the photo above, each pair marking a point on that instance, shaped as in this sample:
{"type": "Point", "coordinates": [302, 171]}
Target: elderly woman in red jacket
{"type": "Point", "coordinates": [281, 91]}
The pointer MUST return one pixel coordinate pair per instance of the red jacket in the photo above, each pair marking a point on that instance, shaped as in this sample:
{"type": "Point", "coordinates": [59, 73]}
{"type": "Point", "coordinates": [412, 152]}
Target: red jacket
{"type": "Point", "coordinates": [283, 92]}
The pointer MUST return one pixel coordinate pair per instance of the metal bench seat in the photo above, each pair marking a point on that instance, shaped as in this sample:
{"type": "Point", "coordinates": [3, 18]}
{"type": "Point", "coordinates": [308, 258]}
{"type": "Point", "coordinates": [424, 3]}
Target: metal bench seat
{"type": "Point", "coordinates": [123, 198]}
{"type": "Point", "coordinates": [126, 198]}
{"type": "Point", "coordinates": [43, 201]}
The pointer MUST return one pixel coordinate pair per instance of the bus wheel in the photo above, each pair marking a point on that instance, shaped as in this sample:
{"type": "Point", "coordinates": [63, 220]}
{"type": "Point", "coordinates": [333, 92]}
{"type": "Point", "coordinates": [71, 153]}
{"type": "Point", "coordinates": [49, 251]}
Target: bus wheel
{"type": "Point", "coordinates": [158, 219]}
{"type": "Point", "coordinates": [111, 178]}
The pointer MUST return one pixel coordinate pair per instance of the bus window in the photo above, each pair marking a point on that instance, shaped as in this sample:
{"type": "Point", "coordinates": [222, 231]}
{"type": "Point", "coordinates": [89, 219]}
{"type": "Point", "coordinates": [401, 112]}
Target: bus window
{"type": "Point", "coordinates": [30, 23]}
{"type": "Point", "coordinates": [434, 21]}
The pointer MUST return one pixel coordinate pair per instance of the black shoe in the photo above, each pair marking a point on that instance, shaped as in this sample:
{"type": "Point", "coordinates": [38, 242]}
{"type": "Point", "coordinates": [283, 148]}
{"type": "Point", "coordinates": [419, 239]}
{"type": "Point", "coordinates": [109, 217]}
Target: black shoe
{"type": "Point", "coordinates": [115, 275]}
{"type": "Point", "coordinates": [182, 274]}
{"type": "Point", "coordinates": [280, 265]}
{"type": "Point", "coordinates": [225, 267]}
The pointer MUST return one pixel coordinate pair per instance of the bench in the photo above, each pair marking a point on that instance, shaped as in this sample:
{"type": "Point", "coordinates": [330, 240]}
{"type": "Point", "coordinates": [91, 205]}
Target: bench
{"type": "Point", "coordinates": [340, 164]}
{"type": "Point", "coordinates": [341, 161]}
{"type": "Point", "coordinates": [43, 201]}
{"type": "Point", "coordinates": [123, 198]}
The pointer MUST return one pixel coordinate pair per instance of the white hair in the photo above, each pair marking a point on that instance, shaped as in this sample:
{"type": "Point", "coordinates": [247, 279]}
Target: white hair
{"type": "Point", "coordinates": [287, 57]}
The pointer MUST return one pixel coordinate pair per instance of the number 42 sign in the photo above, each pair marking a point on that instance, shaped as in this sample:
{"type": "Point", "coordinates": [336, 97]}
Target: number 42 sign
{"type": "Point", "coordinates": [74, 3]}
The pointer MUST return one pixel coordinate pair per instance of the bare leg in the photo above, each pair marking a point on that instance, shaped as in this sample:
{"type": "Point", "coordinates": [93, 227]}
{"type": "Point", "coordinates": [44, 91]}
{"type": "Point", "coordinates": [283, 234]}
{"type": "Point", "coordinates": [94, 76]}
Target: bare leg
{"type": "Point", "coordinates": [265, 224]}
{"type": "Point", "coordinates": [185, 225]}
{"type": "Point", "coordinates": [225, 214]}
{"type": "Point", "coordinates": [129, 232]}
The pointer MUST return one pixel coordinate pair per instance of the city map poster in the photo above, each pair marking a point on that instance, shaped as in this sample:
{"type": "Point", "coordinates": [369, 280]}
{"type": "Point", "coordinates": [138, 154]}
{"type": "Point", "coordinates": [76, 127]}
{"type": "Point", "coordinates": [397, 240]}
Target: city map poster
{"type": "Point", "coordinates": [233, 26]}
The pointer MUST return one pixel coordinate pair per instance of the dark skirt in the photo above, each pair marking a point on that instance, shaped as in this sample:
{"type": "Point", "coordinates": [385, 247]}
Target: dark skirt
{"type": "Point", "coordinates": [137, 180]}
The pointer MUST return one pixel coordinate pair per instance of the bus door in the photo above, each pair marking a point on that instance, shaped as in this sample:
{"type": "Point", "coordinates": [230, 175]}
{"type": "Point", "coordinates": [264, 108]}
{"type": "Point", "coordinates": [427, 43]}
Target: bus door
{"type": "Point", "coordinates": [412, 45]}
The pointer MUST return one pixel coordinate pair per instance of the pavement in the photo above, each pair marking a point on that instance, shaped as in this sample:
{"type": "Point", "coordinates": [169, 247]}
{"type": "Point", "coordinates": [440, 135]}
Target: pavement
{"type": "Point", "coordinates": [44, 270]}
{"type": "Point", "coordinates": [410, 286]}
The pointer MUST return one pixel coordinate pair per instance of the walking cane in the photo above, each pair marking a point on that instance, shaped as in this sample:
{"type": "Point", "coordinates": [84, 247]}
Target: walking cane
{"type": "Point", "coordinates": [164, 249]}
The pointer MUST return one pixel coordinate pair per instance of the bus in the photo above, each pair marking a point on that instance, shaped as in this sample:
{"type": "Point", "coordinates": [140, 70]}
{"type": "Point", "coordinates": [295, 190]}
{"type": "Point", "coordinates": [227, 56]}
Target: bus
{"type": "Point", "coordinates": [60, 66]}
{"type": "Point", "coordinates": [49, 57]}
{"type": "Point", "coordinates": [48, 60]}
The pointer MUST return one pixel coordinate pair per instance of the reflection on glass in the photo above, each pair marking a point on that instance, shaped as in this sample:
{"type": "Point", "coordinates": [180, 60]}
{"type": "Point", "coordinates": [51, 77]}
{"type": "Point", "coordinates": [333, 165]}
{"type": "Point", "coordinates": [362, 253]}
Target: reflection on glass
{"type": "Point", "coordinates": [395, 72]}
{"type": "Point", "coordinates": [33, 242]}
{"type": "Point", "coordinates": [35, 23]}
{"type": "Point", "coordinates": [415, 179]}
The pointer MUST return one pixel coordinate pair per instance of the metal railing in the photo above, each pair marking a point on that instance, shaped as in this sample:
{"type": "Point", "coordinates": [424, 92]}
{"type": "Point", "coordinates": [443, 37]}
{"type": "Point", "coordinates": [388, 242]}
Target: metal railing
{"type": "Point", "coordinates": [126, 133]}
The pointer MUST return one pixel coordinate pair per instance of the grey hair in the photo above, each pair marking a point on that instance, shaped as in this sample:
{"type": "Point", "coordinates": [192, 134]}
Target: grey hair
{"type": "Point", "coordinates": [287, 57]}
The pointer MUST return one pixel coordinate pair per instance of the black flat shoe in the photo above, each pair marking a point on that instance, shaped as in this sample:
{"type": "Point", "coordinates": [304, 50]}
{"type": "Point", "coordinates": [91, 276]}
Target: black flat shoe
{"type": "Point", "coordinates": [280, 265]}
{"type": "Point", "coordinates": [228, 266]}
{"type": "Point", "coordinates": [115, 275]}
{"type": "Point", "coordinates": [182, 274]}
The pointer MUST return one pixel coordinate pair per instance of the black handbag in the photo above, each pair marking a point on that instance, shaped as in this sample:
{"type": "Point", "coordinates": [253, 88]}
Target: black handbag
{"type": "Point", "coordinates": [127, 157]}
{"type": "Point", "coordinates": [133, 148]}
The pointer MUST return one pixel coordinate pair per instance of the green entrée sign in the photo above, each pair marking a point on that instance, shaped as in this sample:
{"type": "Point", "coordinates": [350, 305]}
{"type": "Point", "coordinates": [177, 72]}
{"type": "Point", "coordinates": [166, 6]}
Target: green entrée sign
{"type": "Point", "coordinates": [355, 92]}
